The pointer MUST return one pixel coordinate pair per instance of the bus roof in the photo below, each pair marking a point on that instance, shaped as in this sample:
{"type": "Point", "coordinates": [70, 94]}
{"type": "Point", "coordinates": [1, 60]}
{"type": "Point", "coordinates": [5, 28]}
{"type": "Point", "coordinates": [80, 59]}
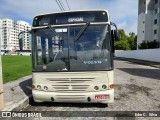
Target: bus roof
{"type": "Point", "coordinates": [53, 19]}
{"type": "Point", "coordinates": [73, 11]}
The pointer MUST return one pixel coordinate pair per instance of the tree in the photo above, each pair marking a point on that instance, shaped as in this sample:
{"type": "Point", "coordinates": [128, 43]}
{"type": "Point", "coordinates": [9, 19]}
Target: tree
{"type": "Point", "coordinates": [132, 41]}
{"type": "Point", "coordinates": [123, 35]}
{"type": "Point", "coordinates": [126, 42]}
{"type": "Point", "coordinates": [123, 43]}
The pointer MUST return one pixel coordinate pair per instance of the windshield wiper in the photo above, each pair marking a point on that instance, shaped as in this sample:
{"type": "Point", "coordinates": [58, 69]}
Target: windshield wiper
{"type": "Point", "coordinates": [82, 31]}
{"type": "Point", "coordinates": [49, 26]}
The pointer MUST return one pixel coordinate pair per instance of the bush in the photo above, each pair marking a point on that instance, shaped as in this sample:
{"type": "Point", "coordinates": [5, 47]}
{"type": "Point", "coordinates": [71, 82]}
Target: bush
{"type": "Point", "coordinates": [149, 45]}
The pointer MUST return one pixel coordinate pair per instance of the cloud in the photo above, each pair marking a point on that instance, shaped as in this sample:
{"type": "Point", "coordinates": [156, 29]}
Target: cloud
{"type": "Point", "coordinates": [132, 27]}
{"type": "Point", "coordinates": [28, 8]}
{"type": "Point", "coordinates": [122, 12]}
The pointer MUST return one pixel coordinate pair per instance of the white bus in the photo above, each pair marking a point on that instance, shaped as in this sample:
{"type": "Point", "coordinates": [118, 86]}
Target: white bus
{"type": "Point", "coordinates": [72, 56]}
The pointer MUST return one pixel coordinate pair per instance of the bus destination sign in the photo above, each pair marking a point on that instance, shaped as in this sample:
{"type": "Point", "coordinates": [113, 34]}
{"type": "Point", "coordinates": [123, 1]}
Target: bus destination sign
{"type": "Point", "coordinates": [70, 18]}
{"type": "Point", "coordinates": [76, 19]}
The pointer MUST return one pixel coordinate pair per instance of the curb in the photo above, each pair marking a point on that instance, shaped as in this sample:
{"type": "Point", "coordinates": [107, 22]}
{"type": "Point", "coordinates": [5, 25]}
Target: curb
{"type": "Point", "coordinates": [17, 94]}
{"type": "Point", "coordinates": [21, 104]}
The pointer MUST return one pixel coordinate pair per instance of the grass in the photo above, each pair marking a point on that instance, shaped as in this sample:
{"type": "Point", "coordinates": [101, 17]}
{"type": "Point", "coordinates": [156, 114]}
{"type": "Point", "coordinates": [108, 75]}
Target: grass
{"type": "Point", "coordinates": [14, 67]}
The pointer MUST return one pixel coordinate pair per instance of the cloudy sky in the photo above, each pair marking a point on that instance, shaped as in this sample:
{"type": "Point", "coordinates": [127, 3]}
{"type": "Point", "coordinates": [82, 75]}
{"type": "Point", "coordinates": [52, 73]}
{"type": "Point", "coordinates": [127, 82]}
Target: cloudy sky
{"type": "Point", "coordinates": [123, 12]}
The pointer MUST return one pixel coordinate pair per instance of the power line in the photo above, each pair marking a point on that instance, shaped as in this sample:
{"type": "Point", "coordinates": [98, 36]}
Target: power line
{"type": "Point", "coordinates": [60, 5]}
{"type": "Point", "coordinates": [63, 4]}
{"type": "Point", "coordinates": [68, 4]}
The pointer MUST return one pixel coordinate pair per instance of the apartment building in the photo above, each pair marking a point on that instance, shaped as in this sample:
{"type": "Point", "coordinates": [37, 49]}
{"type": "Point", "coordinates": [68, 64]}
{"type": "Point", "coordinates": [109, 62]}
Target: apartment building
{"type": "Point", "coordinates": [148, 21]}
{"type": "Point", "coordinates": [9, 34]}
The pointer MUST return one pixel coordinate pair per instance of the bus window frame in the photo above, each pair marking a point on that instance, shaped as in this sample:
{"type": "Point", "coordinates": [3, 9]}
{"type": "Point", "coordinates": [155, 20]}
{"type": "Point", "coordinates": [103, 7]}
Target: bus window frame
{"type": "Point", "coordinates": [65, 26]}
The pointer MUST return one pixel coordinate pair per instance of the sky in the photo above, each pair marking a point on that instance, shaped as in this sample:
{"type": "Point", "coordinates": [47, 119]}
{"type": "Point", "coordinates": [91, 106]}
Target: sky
{"type": "Point", "coordinates": [122, 12]}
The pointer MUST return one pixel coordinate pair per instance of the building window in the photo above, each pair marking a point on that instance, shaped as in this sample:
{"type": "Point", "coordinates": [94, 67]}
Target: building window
{"type": "Point", "coordinates": [155, 31]}
{"type": "Point", "coordinates": [155, 21]}
{"type": "Point", "coordinates": [156, 1]}
{"type": "Point", "coordinates": [155, 11]}
{"type": "Point", "coordinates": [143, 31]}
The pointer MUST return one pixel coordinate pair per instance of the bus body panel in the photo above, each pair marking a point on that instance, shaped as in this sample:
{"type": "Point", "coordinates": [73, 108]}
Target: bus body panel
{"type": "Point", "coordinates": [73, 86]}
{"type": "Point", "coordinates": [41, 96]}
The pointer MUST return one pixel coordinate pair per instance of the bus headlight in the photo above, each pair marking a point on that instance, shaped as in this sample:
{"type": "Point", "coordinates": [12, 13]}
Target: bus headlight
{"type": "Point", "coordinates": [45, 87]}
{"type": "Point", "coordinates": [104, 86]}
{"type": "Point", "coordinates": [96, 87]}
{"type": "Point", "coordinates": [38, 87]}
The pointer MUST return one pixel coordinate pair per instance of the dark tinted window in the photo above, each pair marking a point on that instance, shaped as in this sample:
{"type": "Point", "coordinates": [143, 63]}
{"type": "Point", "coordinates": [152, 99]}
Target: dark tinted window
{"type": "Point", "coordinates": [156, 1]}
{"type": "Point", "coordinates": [70, 18]}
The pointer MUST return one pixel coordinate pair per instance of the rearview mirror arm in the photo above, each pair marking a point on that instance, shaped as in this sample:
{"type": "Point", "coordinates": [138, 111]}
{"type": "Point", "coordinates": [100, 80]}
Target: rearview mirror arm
{"type": "Point", "coordinates": [20, 40]}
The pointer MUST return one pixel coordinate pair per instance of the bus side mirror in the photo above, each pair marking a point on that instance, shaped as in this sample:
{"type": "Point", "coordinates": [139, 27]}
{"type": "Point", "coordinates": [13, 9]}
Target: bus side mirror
{"type": "Point", "coordinates": [117, 35]}
{"type": "Point", "coordinates": [20, 39]}
{"type": "Point", "coordinates": [20, 44]}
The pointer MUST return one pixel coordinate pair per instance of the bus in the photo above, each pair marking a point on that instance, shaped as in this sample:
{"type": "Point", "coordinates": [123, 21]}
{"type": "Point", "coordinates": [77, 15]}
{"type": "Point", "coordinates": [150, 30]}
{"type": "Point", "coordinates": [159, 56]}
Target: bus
{"type": "Point", "coordinates": [72, 57]}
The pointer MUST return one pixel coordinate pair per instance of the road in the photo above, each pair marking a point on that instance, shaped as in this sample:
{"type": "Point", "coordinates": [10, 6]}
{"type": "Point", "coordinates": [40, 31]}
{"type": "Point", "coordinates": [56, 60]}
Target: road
{"type": "Point", "coordinates": [137, 89]}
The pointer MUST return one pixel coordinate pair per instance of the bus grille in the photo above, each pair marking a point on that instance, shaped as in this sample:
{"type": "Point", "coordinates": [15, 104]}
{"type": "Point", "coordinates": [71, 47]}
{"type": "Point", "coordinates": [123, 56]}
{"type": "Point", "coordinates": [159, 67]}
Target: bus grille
{"type": "Point", "coordinates": [70, 98]}
{"type": "Point", "coordinates": [70, 84]}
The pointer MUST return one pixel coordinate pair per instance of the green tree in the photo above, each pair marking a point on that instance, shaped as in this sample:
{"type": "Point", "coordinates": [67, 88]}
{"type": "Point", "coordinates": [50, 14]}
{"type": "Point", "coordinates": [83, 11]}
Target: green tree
{"type": "Point", "coordinates": [123, 35]}
{"type": "Point", "coordinates": [132, 41]}
{"type": "Point", "coordinates": [123, 43]}
{"type": "Point", "coordinates": [127, 42]}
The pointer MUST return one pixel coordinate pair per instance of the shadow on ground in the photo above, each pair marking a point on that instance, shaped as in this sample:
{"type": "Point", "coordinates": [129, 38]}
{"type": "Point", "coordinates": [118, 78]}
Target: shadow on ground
{"type": "Point", "coordinates": [26, 87]}
{"type": "Point", "coordinates": [57, 104]}
{"type": "Point", "coordinates": [148, 73]}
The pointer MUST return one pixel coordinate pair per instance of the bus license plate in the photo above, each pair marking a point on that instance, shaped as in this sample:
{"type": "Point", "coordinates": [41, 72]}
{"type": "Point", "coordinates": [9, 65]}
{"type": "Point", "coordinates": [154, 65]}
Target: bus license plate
{"type": "Point", "coordinates": [101, 97]}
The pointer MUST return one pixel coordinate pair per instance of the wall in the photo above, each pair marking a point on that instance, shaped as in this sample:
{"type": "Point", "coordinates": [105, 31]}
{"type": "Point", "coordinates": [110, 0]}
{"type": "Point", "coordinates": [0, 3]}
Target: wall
{"type": "Point", "coordinates": [148, 55]}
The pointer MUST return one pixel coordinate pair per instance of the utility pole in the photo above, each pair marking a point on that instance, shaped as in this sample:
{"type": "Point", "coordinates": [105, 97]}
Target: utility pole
{"type": "Point", "coordinates": [1, 82]}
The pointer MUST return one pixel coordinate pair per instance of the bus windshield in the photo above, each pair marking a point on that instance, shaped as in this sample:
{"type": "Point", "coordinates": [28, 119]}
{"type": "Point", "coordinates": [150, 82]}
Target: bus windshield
{"type": "Point", "coordinates": [57, 49]}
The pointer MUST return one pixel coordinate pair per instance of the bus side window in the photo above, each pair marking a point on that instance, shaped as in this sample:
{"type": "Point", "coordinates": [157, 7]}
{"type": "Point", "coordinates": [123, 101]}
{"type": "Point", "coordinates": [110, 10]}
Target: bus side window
{"type": "Point", "coordinates": [39, 50]}
{"type": "Point", "coordinates": [50, 50]}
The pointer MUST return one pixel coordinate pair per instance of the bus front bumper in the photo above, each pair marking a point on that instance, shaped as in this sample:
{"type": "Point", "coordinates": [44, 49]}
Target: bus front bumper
{"type": "Point", "coordinates": [87, 97]}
